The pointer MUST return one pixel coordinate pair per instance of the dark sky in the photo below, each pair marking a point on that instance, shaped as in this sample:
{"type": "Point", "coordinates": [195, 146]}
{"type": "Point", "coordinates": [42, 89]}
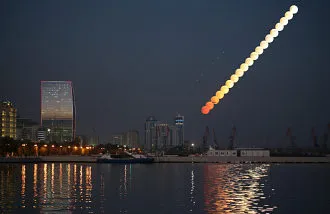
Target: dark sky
{"type": "Point", "coordinates": [132, 59]}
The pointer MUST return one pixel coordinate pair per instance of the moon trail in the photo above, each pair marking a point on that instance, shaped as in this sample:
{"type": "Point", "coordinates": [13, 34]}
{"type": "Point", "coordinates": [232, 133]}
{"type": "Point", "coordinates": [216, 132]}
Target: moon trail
{"type": "Point", "coordinates": [244, 67]}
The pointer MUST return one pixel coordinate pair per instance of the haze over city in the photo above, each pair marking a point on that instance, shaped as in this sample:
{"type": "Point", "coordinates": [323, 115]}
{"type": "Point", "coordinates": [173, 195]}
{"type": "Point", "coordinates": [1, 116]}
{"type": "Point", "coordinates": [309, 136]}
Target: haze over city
{"type": "Point", "coordinates": [128, 61]}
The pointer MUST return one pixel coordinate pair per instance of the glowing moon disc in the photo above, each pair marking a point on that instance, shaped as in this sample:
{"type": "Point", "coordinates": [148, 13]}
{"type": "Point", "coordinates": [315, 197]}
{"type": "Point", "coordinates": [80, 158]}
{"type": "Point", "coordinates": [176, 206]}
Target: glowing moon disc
{"type": "Point", "coordinates": [288, 15]}
{"type": "Point", "coordinates": [274, 33]}
{"type": "Point", "coordinates": [229, 83]}
{"type": "Point", "coordinates": [244, 67]}
{"type": "Point", "coordinates": [234, 78]}
{"type": "Point", "coordinates": [294, 9]}
{"type": "Point", "coordinates": [239, 72]}
{"type": "Point", "coordinates": [220, 94]}
{"type": "Point", "coordinates": [224, 89]}
{"type": "Point", "coordinates": [269, 38]}
{"type": "Point", "coordinates": [249, 61]}
{"type": "Point", "coordinates": [210, 105]}
{"type": "Point", "coordinates": [264, 44]}
{"type": "Point", "coordinates": [215, 100]}
{"type": "Point", "coordinates": [284, 21]}
{"type": "Point", "coordinates": [254, 55]}
{"type": "Point", "coordinates": [279, 26]}
{"type": "Point", "coordinates": [205, 110]}
{"type": "Point", "coordinates": [259, 50]}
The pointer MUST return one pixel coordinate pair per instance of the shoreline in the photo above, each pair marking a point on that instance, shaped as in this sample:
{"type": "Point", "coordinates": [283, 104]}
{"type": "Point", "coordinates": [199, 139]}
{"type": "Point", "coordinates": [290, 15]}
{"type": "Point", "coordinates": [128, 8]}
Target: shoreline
{"type": "Point", "coordinates": [201, 159]}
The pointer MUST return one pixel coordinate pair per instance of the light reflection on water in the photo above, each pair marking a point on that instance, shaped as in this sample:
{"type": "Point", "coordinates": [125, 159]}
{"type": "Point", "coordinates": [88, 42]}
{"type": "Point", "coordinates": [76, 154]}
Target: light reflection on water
{"type": "Point", "coordinates": [236, 188]}
{"type": "Point", "coordinates": [104, 188]}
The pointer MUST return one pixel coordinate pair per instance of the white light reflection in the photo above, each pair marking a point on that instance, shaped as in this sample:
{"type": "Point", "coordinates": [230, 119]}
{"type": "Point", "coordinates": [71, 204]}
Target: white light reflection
{"type": "Point", "coordinates": [236, 188]}
{"type": "Point", "coordinates": [102, 187]}
{"type": "Point", "coordinates": [61, 179]}
{"type": "Point", "coordinates": [45, 184]}
{"type": "Point", "coordinates": [35, 180]}
{"type": "Point", "coordinates": [192, 198]}
{"type": "Point", "coordinates": [52, 178]}
{"type": "Point", "coordinates": [23, 172]}
{"type": "Point", "coordinates": [89, 185]}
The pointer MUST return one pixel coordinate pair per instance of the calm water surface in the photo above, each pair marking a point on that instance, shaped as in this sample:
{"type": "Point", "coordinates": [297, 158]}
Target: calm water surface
{"type": "Point", "coordinates": [164, 188]}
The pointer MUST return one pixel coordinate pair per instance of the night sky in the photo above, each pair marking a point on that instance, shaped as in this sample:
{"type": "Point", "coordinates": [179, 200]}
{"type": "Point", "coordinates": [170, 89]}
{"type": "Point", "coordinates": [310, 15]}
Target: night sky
{"type": "Point", "coordinates": [132, 59]}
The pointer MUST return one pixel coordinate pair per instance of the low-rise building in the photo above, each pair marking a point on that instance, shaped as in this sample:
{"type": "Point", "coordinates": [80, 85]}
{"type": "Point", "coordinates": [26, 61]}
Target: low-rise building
{"type": "Point", "coordinates": [8, 120]}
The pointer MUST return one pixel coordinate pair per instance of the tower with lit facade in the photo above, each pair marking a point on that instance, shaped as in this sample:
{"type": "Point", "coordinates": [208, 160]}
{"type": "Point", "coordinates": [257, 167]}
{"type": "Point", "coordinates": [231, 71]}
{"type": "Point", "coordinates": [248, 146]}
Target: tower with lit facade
{"type": "Point", "coordinates": [150, 133]}
{"type": "Point", "coordinates": [58, 110]}
{"type": "Point", "coordinates": [179, 129]}
{"type": "Point", "coordinates": [8, 120]}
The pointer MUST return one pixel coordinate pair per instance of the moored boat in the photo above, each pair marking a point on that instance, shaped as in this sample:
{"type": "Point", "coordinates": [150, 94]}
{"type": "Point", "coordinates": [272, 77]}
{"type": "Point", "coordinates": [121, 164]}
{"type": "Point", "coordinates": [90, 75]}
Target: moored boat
{"type": "Point", "coordinates": [124, 158]}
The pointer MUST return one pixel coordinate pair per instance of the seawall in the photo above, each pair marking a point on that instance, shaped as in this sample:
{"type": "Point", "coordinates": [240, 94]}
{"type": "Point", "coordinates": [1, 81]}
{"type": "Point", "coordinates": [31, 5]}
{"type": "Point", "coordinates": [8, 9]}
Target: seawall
{"type": "Point", "coordinates": [219, 159]}
{"type": "Point", "coordinates": [171, 159]}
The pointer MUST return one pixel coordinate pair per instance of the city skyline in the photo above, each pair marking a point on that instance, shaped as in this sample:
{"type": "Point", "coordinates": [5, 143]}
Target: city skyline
{"type": "Point", "coordinates": [128, 61]}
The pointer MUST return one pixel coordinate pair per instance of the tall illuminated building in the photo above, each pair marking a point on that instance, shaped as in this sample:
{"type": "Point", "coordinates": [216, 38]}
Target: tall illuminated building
{"type": "Point", "coordinates": [179, 131]}
{"type": "Point", "coordinates": [150, 136]}
{"type": "Point", "coordinates": [8, 120]}
{"type": "Point", "coordinates": [58, 110]}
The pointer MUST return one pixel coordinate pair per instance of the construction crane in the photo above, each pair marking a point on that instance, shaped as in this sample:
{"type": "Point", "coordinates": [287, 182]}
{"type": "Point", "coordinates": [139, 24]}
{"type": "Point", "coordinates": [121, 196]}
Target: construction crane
{"type": "Point", "coordinates": [215, 140]}
{"type": "Point", "coordinates": [232, 138]}
{"type": "Point", "coordinates": [205, 138]}
{"type": "Point", "coordinates": [314, 137]}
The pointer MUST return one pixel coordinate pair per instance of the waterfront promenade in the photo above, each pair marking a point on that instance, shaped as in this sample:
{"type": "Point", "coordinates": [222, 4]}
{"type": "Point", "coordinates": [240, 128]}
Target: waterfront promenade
{"type": "Point", "coordinates": [171, 159]}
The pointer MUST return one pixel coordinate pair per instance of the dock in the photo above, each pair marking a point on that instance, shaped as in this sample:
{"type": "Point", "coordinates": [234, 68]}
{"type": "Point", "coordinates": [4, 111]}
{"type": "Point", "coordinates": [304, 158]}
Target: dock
{"type": "Point", "coordinates": [171, 159]}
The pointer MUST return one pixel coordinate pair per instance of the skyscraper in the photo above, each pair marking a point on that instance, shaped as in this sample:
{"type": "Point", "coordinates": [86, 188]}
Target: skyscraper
{"type": "Point", "coordinates": [58, 110]}
{"type": "Point", "coordinates": [131, 138]}
{"type": "Point", "coordinates": [179, 124]}
{"type": "Point", "coordinates": [8, 120]}
{"type": "Point", "coordinates": [150, 134]}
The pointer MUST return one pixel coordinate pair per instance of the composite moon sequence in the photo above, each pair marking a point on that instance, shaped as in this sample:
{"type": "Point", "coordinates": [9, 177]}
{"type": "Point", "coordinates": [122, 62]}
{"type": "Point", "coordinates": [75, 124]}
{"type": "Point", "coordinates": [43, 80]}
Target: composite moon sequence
{"type": "Point", "coordinates": [244, 67]}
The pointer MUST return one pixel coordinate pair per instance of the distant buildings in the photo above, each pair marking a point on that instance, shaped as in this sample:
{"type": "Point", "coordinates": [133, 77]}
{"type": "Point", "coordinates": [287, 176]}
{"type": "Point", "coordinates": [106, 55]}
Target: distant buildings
{"type": "Point", "coordinates": [149, 133]}
{"type": "Point", "coordinates": [26, 129]}
{"type": "Point", "coordinates": [58, 110]}
{"type": "Point", "coordinates": [117, 139]}
{"type": "Point", "coordinates": [130, 139]}
{"type": "Point", "coordinates": [8, 120]}
{"type": "Point", "coordinates": [41, 134]}
{"type": "Point", "coordinates": [163, 136]}
{"type": "Point", "coordinates": [179, 129]}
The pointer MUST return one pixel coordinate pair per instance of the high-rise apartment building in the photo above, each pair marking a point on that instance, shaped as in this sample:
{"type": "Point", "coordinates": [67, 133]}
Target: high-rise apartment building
{"type": "Point", "coordinates": [58, 110]}
{"type": "Point", "coordinates": [179, 129]}
{"type": "Point", "coordinates": [160, 136]}
{"type": "Point", "coordinates": [8, 120]}
{"type": "Point", "coordinates": [150, 136]}
{"type": "Point", "coordinates": [117, 139]}
{"type": "Point", "coordinates": [132, 139]}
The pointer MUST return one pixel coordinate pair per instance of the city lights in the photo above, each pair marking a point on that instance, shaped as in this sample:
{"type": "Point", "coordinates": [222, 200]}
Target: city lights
{"type": "Point", "coordinates": [244, 67]}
